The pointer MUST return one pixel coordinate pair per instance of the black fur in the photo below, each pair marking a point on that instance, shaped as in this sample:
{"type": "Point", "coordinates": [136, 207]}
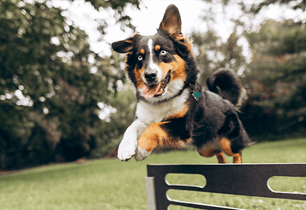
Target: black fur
{"type": "Point", "coordinates": [229, 84]}
{"type": "Point", "coordinates": [215, 116]}
{"type": "Point", "coordinates": [177, 129]}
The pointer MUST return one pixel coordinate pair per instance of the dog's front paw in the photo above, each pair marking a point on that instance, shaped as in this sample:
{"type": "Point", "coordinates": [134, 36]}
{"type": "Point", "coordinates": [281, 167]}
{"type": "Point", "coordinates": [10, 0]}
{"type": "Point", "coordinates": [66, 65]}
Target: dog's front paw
{"type": "Point", "coordinates": [126, 150]}
{"type": "Point", "coordinates": [141, 154]}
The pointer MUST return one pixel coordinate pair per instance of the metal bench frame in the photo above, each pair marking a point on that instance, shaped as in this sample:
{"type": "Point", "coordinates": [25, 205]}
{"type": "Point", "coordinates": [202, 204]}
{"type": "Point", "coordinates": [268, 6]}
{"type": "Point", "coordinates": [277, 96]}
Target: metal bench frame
{"type": "Point", "coordinates": [237, 179]}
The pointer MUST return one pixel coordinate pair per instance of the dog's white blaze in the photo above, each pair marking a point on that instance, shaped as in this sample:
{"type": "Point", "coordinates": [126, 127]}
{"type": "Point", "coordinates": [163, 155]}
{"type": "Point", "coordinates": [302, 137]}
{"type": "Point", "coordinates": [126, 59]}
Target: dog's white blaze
{"type": "Point", "coordinates": [151, 63]}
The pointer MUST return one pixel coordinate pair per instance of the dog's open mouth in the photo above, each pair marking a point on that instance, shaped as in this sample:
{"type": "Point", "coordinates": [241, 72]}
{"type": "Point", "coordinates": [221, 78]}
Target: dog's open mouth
{"type": "Point", "coordinates": [158, 89]}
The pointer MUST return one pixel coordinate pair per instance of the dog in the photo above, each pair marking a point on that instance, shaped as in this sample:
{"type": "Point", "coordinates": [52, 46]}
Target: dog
{"type": "Point", "coordinates": [172, 108]}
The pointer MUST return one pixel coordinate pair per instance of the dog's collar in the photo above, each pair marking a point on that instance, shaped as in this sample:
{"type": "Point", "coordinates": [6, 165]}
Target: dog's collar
{"type": "Point", "coordinates": [196, 91]}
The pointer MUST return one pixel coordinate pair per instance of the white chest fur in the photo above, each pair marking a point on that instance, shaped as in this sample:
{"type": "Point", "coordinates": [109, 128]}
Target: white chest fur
{"type": "Point", "coordinates": [149, 113]}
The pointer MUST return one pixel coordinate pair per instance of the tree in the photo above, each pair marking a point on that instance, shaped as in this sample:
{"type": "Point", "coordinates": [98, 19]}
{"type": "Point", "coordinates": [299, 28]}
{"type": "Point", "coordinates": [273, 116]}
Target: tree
{"type": "Point", "coordinates": [110, 131]}
{"type": "Point", "coordinates": [211, 52]}
{"type": "Point", "coordinates": [49, 64]}
{"type": "Point", "coordinates": [276, 77]}
{"type": "Point", "coordinates": [255, 8]}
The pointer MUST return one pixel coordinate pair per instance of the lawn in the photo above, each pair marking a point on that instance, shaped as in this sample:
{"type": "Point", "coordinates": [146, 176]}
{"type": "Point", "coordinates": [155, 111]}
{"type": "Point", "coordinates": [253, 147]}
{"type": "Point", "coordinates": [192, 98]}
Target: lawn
{"type": "Point", "coordinates": [112, 184]}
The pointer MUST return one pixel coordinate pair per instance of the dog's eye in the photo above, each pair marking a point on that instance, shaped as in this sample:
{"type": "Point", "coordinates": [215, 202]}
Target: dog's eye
{"type": "Point", "coordinates": [140, 58]}
{"type": "Point", "coordinates": [163, 52]}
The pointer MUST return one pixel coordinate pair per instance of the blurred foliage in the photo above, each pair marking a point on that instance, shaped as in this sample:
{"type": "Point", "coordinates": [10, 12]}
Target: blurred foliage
{"type": "Point", "coordinates": [212, 53]}
{"type": "Point", "coordinates": [119, 7]}
{"type": "Point", "coordinates": [112, 130]}
{"type": "Point", "coordinates": [276, 78]}
{"type": "Point", "coordinates": [51, 84]}
{"type": "Point", "coordinates": [257, 7]}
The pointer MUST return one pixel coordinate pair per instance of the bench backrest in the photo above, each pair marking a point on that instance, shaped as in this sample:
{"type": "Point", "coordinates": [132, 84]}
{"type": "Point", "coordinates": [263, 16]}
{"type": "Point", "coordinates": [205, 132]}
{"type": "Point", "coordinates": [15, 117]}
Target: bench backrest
{"type": "Point", "coordinates": [237, 179]}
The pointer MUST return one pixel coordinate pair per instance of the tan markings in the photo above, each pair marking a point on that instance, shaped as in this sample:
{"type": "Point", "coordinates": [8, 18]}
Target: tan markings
{"type": "Point", "coordinates": [142, 51]}
{"type": "Point", "coordinates": [165, 67]}
{"type": "Point", "coordinates": [225, 145]}
{"type": "Point", "coordinates": [188, 44]}
{"type": "Point", "coordinates": [130, 39]}
{"type": "Point", "coordinates": [157, 47]}
{"type": "Point", "coordinates": [179, 114]}
{"type": "Point", "coordinates": [208, 151]}
{"type": "Point", "coordinates": [138, 79]}
{"type": "Point", "coordinates": [177, 67]}
{"type": "Point", "coordinates": [180, 37]}
{"type": "Point", "coordinates": [221, 158]}
{"type": "Point", "coordinates": [185, 41]}
{"type": "Point", "coordinates": [174, 143]}
{"type": "Point", "coordinates": [152, 137]}
{"type": "Point", "coordinates": [237, 158]}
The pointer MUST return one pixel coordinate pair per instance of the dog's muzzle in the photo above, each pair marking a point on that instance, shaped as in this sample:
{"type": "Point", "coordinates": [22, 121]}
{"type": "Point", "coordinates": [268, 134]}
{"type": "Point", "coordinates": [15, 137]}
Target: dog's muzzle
{"type": "Point", "coordinates": [157, 90]}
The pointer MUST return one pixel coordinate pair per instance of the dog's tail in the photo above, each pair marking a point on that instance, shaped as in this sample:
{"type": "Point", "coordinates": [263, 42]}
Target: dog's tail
{"type": "Point", "coordinates": [226, 83]}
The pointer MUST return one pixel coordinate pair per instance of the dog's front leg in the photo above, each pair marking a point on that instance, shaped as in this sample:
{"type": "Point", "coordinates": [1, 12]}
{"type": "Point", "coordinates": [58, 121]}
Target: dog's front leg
{"type": "Point", "coordinates": [128, 145]}
{"type": "Point", "coordinates": [154, 136]}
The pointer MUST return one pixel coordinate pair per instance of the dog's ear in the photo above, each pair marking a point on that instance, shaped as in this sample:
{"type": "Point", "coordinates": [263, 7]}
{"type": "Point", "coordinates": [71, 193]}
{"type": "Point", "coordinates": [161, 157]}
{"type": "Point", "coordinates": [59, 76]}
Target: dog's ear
{"type": "Point", "coordinates": [123, 46]}
{"type": "Point", "coordinates": [171, 22]}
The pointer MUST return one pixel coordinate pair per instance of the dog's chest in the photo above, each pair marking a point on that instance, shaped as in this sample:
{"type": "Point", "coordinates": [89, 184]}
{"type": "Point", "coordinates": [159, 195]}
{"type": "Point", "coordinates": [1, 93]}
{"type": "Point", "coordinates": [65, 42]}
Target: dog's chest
{"type": "Point", "coordinates": [150, 113]}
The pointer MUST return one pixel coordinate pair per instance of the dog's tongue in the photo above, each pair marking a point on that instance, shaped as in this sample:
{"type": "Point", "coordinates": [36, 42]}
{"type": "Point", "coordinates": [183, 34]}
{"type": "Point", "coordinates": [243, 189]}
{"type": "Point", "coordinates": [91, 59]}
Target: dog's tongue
{"type": "Point", "coordinates": [149, 92]}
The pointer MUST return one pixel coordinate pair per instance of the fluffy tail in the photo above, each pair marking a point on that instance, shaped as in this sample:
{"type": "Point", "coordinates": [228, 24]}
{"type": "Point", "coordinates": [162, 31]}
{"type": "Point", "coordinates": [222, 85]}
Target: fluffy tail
{"type": "Point", "coordinates": [226, 83]}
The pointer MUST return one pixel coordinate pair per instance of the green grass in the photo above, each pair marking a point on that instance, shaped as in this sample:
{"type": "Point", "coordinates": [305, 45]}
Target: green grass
{"type": "Point", "coordinates": [112, 184]}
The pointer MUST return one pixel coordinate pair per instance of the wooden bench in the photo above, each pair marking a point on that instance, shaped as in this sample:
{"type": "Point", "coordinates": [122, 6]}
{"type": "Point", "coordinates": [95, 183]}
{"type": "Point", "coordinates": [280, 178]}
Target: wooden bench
{"type": "Point", "coordinates": [237, 179]}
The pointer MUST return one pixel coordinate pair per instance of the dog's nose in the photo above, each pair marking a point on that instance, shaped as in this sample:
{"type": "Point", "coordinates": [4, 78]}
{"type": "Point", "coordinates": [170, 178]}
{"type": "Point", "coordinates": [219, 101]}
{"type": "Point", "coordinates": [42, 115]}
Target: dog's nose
{"type": "Point", "coordinates": [150, 77]}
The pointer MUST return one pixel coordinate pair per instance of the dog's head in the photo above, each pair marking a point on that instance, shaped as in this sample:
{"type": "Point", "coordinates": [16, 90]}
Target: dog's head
{"type": "Point", "coordinates": [158, 64]}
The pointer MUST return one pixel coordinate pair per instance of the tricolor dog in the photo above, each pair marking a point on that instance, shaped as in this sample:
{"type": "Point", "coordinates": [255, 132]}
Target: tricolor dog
{"type": "Point", "coordinates": [172, 108]}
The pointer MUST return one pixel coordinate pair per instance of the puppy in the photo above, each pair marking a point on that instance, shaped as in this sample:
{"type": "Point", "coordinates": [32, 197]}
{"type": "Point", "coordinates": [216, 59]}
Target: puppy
{"type": "Point", "coordinates": [172, 108]}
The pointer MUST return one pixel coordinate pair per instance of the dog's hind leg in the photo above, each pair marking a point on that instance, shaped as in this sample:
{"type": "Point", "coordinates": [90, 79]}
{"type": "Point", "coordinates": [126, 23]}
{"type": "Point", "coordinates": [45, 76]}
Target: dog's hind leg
{"type": "Point", "coordinates": [237, 158]}
{"type": "Point", "coordinates": [221, 158]}
{"type": "Point", "coordinates": [210, 151]}
{"type": "Point", "coordinates": [225, 145]}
